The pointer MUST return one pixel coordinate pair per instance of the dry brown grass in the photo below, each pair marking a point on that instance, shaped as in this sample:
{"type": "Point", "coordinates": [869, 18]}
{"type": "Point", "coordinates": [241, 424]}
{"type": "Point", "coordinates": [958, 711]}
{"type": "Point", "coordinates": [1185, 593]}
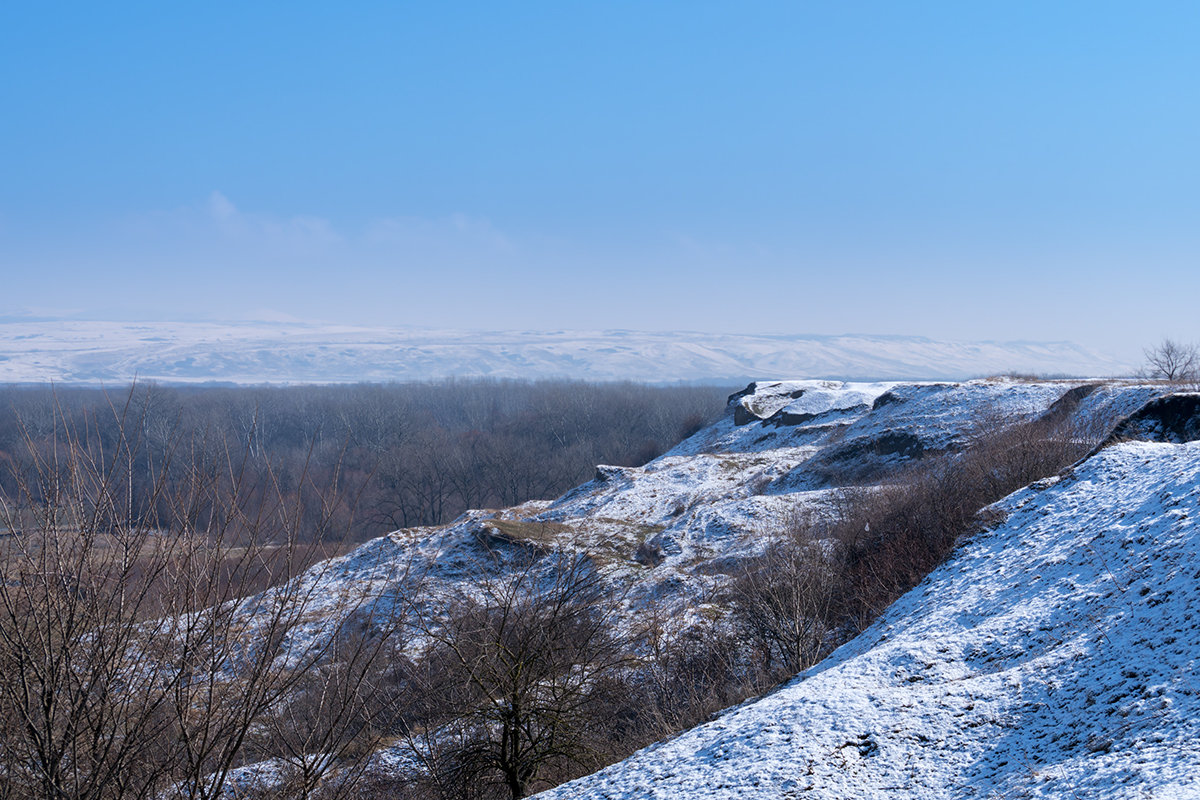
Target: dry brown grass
{"type": "Point", "coordinates": [517, 531]}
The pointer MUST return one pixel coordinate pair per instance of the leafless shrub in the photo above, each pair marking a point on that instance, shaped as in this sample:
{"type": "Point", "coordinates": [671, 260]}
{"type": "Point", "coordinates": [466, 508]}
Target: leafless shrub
{"type": "Point", "coordinates": [514, 690]}
{"type": "Point", "coordinates": [131, 663]}
{"type": "Point", "coordinates": [683, 677]}
{"type": "Point", "coordinates": [784, 600]}
{"type": "Point", "coordinates": [902, 530]}
{"type": "Point", "coordinates": [825, 577]}
{"type": "Point", "coordinates": [330, 721]}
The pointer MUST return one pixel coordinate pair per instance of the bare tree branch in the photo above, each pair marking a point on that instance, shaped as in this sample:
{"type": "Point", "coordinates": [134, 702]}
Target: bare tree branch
{"type": "Point", "coordinates": [1173, 361]}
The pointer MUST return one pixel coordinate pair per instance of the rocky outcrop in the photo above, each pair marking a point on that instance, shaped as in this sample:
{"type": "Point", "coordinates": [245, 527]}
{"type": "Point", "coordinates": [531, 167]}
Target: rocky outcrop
{"type": "Point", "coordinates": [1174, 418]}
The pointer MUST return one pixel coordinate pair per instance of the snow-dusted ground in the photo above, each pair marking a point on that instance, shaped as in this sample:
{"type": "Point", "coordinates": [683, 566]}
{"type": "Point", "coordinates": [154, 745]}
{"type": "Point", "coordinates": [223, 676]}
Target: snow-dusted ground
{"type": "Point", "coordinates": [74, 351]}
{"type": "Point", "coordinates": [1056, 655]}
{"type": "Point", "coordinates": [672, 532]}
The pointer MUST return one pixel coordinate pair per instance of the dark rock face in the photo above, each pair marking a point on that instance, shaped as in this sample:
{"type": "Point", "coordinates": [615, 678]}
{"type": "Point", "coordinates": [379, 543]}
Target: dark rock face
{"type": "Point", "coordinates": [895, 443]}
{"type": "Point", "coordinates": [858, 462]}
{"type": "Point", "coordinates": [743, 415]}
{"type": "Point", "coordinates": [1174, 419]}
{"type": "Point", "coordinates": [886, 399]}
{"type": "Point", "coordinates": [750, 389]}
{"type": "Point", "coordinates": [606, 473]}
{"type": "Point", "coordinates": [902, 394]}
{"type": "Point", "coordinates": [784, 418]}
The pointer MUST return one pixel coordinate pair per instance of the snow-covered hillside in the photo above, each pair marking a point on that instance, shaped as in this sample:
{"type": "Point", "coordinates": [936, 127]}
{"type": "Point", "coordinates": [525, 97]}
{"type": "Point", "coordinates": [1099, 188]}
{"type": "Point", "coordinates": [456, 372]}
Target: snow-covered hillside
{"type": "Point", "coordinates": [1055, 655]}
{"type": "Point", "coordinates": [781, 448]}
{"type": "Point", "coordinates": [673, 530]}
{"type": "Point", "coordinates": [72, 351]}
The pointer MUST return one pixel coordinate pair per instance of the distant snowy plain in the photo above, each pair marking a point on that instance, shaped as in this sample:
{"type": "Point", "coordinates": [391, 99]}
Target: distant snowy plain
{"type": "Point", "coordinates": [99, 352]}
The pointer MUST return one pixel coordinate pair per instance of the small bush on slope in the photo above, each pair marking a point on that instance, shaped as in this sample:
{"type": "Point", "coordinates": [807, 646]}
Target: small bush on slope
{"type": "Point", "coordinates": [519, 687]}
{"type": "Point", "coordinates": [785, 601]}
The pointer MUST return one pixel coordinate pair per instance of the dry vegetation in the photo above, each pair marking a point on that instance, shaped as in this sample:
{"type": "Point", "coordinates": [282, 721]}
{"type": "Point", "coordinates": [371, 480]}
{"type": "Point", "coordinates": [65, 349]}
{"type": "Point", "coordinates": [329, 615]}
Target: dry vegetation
{"type": "Point", "coordinates": [828, 576]}
{"type": "Point", "coordinates": [127, 666]}
{"type": "Point", "coordinates": [129, 670]}
{"type": "Point", "coordinates": [411, 454]}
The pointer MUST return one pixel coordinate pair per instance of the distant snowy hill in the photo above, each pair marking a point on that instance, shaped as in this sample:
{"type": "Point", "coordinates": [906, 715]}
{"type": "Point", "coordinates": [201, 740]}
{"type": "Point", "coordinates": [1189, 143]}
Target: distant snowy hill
{"type": "Point", "coordinates": [92, 352]}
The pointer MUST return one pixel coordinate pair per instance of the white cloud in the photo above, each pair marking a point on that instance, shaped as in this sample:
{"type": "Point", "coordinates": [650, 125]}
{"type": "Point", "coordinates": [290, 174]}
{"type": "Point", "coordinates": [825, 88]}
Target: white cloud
{"type": "Point", "coordinates": [220, 208]}
{"type": "Point", "coordinates": [296, 236]}
{"type": "Point", "coordinates": [456, 231]}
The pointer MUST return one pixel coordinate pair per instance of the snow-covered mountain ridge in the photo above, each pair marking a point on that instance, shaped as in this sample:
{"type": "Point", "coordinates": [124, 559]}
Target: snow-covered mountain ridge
{"type": "Point", "coordinates": [93, 352]}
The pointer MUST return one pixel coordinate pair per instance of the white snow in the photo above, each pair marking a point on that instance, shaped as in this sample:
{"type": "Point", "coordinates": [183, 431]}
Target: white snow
{"type": "Point", "coordinates": [1053, 656]}
{"type": "Point", "coordinates": [671, 531]}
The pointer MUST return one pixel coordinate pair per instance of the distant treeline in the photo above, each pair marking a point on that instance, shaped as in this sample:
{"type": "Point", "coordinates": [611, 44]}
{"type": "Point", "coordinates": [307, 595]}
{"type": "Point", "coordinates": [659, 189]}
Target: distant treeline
{"type": "Point", "coordinates": [395, 456]}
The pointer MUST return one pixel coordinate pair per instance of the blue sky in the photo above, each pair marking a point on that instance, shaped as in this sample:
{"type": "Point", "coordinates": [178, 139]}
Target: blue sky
{"type": "Point", "coordinates": [989, 170]}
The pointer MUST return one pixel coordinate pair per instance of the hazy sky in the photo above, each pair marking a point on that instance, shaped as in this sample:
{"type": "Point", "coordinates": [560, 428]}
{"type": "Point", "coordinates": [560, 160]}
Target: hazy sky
{"type": "Point", "coordinates": [982, 170]}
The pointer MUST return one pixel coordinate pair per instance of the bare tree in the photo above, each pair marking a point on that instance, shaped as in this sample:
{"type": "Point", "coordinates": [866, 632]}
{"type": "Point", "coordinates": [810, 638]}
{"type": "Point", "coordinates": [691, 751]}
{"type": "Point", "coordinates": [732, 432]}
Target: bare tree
{"type": "Point", "coordinates": [785, 600]}
{"type": "Point", "coordinates": [77, 582]}
{"type": "Point", "coordinates": [328, 721]}
{"type": "Point", "coordinates": [518, 675]}
{"type": "Point", "coordinates": [1172, 361]}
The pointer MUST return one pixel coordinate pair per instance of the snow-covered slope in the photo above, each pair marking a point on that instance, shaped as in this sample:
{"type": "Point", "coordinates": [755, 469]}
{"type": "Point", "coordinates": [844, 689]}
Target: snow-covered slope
{"type": "Point", "coordinates": [1056, 655]}
{"type": "Point", "coordinates": [72, 351]}
{"type": "Point", "coordinates": [672, 532]}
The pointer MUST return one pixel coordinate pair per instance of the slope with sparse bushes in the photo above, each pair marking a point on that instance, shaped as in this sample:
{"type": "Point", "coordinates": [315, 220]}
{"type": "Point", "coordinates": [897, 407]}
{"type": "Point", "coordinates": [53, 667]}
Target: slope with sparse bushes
{"type": "Point", "coordinates": [752, 549]}
{"type": "Point", "coordinates": [514, 649]}
{"type": "Point", "coordinates": [1053, 655]}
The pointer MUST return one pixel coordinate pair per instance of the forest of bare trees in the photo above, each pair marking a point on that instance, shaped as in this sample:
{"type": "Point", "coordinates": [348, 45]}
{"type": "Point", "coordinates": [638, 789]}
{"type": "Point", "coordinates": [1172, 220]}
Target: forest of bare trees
{"type": "Point", "coordinates": [410, 454]}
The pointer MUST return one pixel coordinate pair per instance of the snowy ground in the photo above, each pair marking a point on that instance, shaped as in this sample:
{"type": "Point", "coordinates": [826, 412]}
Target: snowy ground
{"type": "Point", "coordinates": [673, 532]}
{"type": "Point", "coordinates": [1053, 656]}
